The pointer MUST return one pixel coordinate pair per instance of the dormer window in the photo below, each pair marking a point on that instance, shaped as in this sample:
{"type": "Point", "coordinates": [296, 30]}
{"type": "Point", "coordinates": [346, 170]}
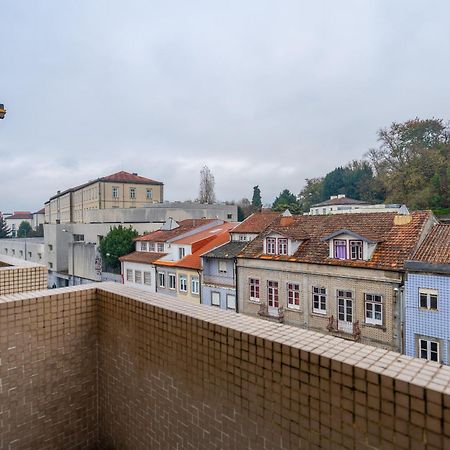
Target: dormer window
{"type": "Point", "coordinates": [271, 246]}
{"type": "Point", "coordinates": [340, 249]}
{"type": "Point", "coordinates": [282, 246]}
{"type": "Point", "coordinates": [356, 249]}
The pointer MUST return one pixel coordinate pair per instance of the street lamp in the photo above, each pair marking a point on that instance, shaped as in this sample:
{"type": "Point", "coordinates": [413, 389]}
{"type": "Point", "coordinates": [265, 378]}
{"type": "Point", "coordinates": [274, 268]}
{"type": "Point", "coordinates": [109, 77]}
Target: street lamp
{"type": "Point", "coordinates": [2, 111]}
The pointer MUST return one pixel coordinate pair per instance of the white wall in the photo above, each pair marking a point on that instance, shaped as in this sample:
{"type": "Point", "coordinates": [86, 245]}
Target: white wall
{"type": "Point", "coordinates": [143, 268]}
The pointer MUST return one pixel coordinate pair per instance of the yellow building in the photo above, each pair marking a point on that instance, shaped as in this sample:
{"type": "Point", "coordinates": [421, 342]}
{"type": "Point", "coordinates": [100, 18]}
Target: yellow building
{"type": "Point", "coordinates": [119, 190]}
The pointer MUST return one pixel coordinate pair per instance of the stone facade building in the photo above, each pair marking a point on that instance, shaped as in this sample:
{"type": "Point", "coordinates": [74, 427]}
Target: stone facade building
{"type": "Point", "coordinates": [339, 274]}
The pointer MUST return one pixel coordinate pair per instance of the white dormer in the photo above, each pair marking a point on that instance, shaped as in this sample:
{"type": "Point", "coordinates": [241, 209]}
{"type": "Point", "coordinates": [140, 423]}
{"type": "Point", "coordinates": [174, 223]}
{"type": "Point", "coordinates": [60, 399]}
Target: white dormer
{"type": "Point", "coordinates": [347, 245]}
{"type": "Point", "coordinates": [278, 244]}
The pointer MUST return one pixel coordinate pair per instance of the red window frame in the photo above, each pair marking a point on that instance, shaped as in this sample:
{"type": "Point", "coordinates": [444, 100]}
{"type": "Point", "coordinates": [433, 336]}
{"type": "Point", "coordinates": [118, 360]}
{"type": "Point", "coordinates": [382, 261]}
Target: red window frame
{"type": "Point", "coordinates": [293, 294]}
{"type": "Point", "coordinates": [254, 288]}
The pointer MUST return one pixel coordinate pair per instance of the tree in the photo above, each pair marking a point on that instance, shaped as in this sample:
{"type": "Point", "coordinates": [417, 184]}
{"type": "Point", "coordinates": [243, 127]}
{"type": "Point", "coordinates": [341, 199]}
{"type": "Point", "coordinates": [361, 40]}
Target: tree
{"type": "Point", "coordinates": [118, 242]}
{"type": "Point", "coordinates": [24, 230]}
{"type": "Point", "coordinates": [286, 200]}
{"type": "Point", "coordinates": [412, 161]}
{"type": "Point", "coordinates": [311, 194]}
{"type": "Point", "coordinates": [256, 199]}
{"type": "Point", "coordinates": [245, 209]}
{"type": "Point", "coordinates": [5, 231]}
{"type": "Point", "coordinates": [207, 184]}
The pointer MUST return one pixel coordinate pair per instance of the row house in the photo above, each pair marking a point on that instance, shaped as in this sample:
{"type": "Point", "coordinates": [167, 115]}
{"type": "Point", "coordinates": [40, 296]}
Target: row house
{"type": "Point", "coordinates": [154, 265]}
{"type": "Point", "coordinates": [340, 274]}
{"type": "Point", "coordinates": [219, 264]}
{"type": "Point", "coordinates": [427, 298]}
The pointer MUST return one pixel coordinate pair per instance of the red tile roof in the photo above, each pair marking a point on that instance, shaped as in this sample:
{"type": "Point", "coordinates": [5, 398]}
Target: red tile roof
{"type": "Point", "coordinates": [184, 227]}
{"type": "Point", "coordinates": [257, 222]}
{"type": "Point", "coordinates": [435, 249]}
{"type": "Point", "coordinates": [396, 243]}
{"type": "Point", "coordinates": [205, 234]}
{"type": "Point", "coordinates": [142, 257]}
{"type": "Point", "coordinates": [341, 201]}
{"type": "Point", "coordinates": [24, 215]}
{"type": "Point", "coordinates": [126, 177]}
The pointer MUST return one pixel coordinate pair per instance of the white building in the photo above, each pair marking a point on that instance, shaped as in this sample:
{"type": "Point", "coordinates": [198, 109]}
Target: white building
{"type": "Point", "coordinates": [14, 221]}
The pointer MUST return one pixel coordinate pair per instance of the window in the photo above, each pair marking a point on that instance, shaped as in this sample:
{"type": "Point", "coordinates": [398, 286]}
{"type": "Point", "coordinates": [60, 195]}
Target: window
{"type": "Point", "coordinates": [356, 250]}
{"type": "Point", "coordinates": [40, 255]}
{"type": "Point", "coordinates": [21, 252]}
{"type": "Point", "coordinates": [129, 275]}
{"type": "Point", "coordinates": [78, 237]}
{"type": "Point", "coordinates": [30, 254]}
{"type": "Point", "coordinates": [254, 289]}
{"type": "Point", "coordinates": [149, 194]}
{"type": "Point", "coordinates": [172, 281]}
{"type": "Point", "coordinates": [345, 306]}
{"type": "Point", "coordinates": [340, 249]}
{"type": "Point", "coordinates": [6, 251]}
{"type": "Point", "coordinates": [242, 237]}
{"type": "Point", "coordinates": [282, 246]}
{"type": "Point", "coordinates": [151, 246]}
{"type": "Point", "coordinates": [324, 210]}
{"type": "Point", "coordinates": [50, 265]}
{"type": "Point", "coordinates": [137, 276]}
{"type": "Point", "coordinates": [50, 247]}
{"type": "Point", "coordinates": [195, 285]}
{"type": "Point", "coordinates": [428, 350]}
{"type": "Point", "coordinates": [160, 247]}
{"type": "Point", "coordinates": [293, 295]}
{"type": "Point", "coordinates": [147, 278]}
{"type": "Point", "coordinates": [428, 299]}
{"type": "Point", "coordinates": [229, 216]}
{"type": "Point", "coordinates": [272, 294]}
{"type": "Point", "coordinates": [271, 244]}
{"type": "Point", "coordinates": [162, 279]}
{"type": "Point", "coordinates": [374, 309]}
{"type": "Point", "coordinates": [115, 192]}
{"type": "Point", "coordinates": [319, 297]}
{"type": "Point", "coordinates": [231, 302]}
{"type": "Point", "coordinates": [183, 283]}
{"type": "Point", "coordinates": [181, 252]}
{"type": "Point", "coordinates": [144, 246]}
{"type": "Point", "coordinates": [215, 298]}
{"type": "Point", "coordinates": [222, 267]}
{"type": "Point", "coordinates": [133, 193]}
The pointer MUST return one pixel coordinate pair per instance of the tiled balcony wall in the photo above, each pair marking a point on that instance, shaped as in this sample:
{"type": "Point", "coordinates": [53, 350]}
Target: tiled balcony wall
{"type": "Point", "coordinates": [17, 275]}
{"type": "Point", "coordinates": [115, 368]}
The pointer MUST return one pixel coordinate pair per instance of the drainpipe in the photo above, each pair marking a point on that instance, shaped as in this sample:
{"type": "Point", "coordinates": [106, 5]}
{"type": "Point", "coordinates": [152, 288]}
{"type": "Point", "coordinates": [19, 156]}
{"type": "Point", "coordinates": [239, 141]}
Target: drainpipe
{"type": "Point", "coordinates": [200, 281]}
{"type": "Point", "coordinates": [156, 278]}
{"type": "Point", "coordinates": [236, 284]}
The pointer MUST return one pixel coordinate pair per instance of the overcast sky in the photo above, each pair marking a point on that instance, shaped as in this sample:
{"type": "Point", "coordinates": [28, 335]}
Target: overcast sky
{"type": "Point", "coordinates": [263, 92]}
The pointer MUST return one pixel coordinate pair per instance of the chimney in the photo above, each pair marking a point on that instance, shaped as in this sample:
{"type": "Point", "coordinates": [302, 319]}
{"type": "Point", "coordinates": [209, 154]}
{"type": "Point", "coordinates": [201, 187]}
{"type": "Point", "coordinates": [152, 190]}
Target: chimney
{"type": "Point", "coordinates": [135, 173]}
{"type": "Point", "coordinates": [286, 219]}
{"type": "Point", "coordinates": [402, 219]}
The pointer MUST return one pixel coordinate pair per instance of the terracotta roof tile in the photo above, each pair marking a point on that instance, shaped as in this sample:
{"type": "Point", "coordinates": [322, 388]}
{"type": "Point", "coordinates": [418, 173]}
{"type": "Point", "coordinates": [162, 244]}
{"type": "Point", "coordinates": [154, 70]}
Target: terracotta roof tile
{"type": "Point", "coordinates": [126, 177]}
{"type": "Point", "coordinates": [396, 243]}
{"type": "Point", "coordinates": [142, 257]}
{"type": "Point", "coordinates": [24, 215]}
{"type": "Point", "coordinates": [257, 222]}
{"type": "Point", "coordinates": [435, 249]}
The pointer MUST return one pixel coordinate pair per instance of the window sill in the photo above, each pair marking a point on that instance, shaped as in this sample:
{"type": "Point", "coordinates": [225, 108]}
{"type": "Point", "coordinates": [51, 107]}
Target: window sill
{"type": "Point", "coordinates": [293, 309]}
{"type": "Point", "coordinates": [255, 302]}
{"type": "Point", "coordinates": [373, 325]}
{"type": "Point", "coordinates": [319, 314]}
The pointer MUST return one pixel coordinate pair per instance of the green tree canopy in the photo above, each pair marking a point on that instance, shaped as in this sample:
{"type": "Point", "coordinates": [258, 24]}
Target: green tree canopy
{"type": "Point", "coordinates": [310, 194]}
{"type": "Point", "coordinates": [286, 200]}
{"type": "Point", "coordinates": [25, 229]}
{"type": "Point", "coordinates": [4, 229]}
{"type": "Point", "coordinates": [256, 199]}
{"type": "Point", "coordinates": [118, 242]}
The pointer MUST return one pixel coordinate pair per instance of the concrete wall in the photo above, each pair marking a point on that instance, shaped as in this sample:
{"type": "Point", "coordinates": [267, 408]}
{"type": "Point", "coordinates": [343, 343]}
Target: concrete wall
{"type": "Point", "coordinates": [18, 276]}
{"type": "Point", "coordinates": [333, 278]}
{"type": "Point", "coordinates": [116, 368]}
{"type": "Point", "coordinates": [142, 268]}
{"type": "Point", "coordinates": [29, 249]}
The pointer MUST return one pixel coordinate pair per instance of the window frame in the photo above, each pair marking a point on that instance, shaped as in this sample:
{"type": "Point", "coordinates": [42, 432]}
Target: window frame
{"type": "Point", "coordinates": [162, 277]}
{"type": "Point", "coordinates": [132, 193]}
{"type": "Point", "coordinates": [428, 349]}
{"type": "Point", "coordinates": [129, 275]}
{"type": "Point", "coordinates": [317, 291]}
{"type": "Point", "coordinates": [255, 286]}
{"type": "Point", "coordinates": [428, 293]}
{"type": "Point", "coordinates": [181, 252]}
{"type": "Point", "coordinates": [339, 243]}
{"type": "Point", "coordinates": [273, 294]}
{"type": "Point", "coordinates": [195, 281]}
{"type": "Point", "coordinates": [115, 192]}
{"type": "Point", "coordinates": [172, 281]}
{"type": "Point", "coordinates": [271, 246]}
{"type": "Point", "coordinates": [359, 246]}
{"type": "Point", "coordinates": [212, 296]}
{"type": "Point", "coordinates": [374, 303]}
{"type": "Point", "coordinates": [144, 246]}
{"type": "Point", "coordinates": [160, 247]}
{"type": "Point", "coordinates": [291, 294]}
{"type": "Point", "coordinates": [147, 192]}
{"type": "Point", "coordinates": [219, 264]}
{"type": "Point", "coordinates": [147, 278]}
{"type": "Point", "coordinates": [138, 276]}
{"type": "Point", "coordinates": [226, 299]}
{"type": "Point", "coordinates": [183, 285]}
{"type": "Point", "coordinates": [282, 243]}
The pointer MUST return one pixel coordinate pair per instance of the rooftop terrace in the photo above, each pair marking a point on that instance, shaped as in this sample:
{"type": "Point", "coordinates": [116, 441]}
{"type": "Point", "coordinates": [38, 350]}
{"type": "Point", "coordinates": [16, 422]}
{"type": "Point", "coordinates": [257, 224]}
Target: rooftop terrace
{"type": "Point", "coordinates": [109, 367]}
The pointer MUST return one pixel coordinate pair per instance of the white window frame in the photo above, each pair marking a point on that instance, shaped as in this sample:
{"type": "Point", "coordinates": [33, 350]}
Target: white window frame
{"type": "Point", "coordinates": [132, 193]}
{"type": "Point", "coordinates": [162, 279]}
{"type": "Point", "coordinates": [428, 294]}
{"type": "Point", "coordinates": [294, 289]}
{"type": "Point", "coordinates": [151, 247]}
{"type": "Point", "coordinates": [195, 285]}
{"type": "Point", "coordinates": [371, 300]}
{"type": "Point", "coordinates": [233, 307]}
{"type": "Point", "coordinates": [147, 278]}
{"type": "Point", "coordinates": [115, 192]}
{"type": "Point", "coordinates": [215, 294]}
{"type": "Point", "coordinates": [256, 285]}
{"type": "Point", "coordinates": [149, 194]}
{"type": "Point", "coordinates": [283, 246]}
{"type": "Point", "coordinates": [183, 283]}
{"type": "Point", "coordinates": [138, 276]}
{"type": "Point", "coordinates": [319, 295]}
{"type": "Point", "coordinates": [181, 252]}
{"type": "Point", "coordinates": [144, 246]}
{"type": "Point", "coordinates": [130, 275]}
{"type": "Point", "coordinates": [359, 246]}
{"type": "Point", "coordinates": [273, 294]}
{"type": "Point", "coordinates": [160, 247]}
{"type": "Point", "coordinates": [172, 281]}
{"type": "Point", "coordinates": [271, 246]}
{"type": "Point", "coordinates": [428, 350]}
{"type": "Point", "coordinates": [220, 267]}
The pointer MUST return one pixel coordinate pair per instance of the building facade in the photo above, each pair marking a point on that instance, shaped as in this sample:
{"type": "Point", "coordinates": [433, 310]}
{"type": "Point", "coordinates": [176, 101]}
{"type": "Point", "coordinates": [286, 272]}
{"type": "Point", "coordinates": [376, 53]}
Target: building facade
{"type": "Point", "coordinates": [339, 274]}
{"type": "Point", "coordinates": [13, 221]}
{"type": "Point", "coordinates": [427, 298]}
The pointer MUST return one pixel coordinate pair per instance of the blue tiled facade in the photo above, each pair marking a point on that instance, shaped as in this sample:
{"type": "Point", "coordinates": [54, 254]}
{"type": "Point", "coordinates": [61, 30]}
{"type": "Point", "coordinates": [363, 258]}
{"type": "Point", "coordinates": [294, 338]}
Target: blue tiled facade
{"type": "Point", "coordinates": [421, 322]}
{"type": "Point", "coordinates": [213, 280]}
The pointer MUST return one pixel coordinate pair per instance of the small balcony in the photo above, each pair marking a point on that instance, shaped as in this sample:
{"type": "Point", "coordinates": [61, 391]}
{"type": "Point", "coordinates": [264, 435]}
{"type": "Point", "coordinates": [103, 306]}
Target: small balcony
{"type": "Point", "coordinates": [346, 330]}
{"type": "Point", "coordinates": [220, 280]}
